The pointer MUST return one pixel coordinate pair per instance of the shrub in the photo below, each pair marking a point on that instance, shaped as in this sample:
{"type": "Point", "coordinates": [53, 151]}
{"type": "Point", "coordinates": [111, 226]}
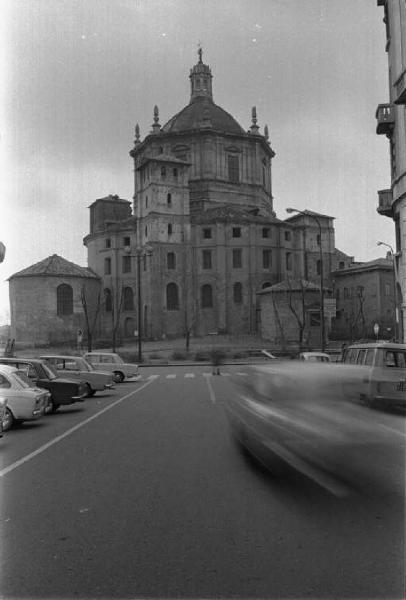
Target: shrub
{"type": "Point", "coordinates": [177, 355]}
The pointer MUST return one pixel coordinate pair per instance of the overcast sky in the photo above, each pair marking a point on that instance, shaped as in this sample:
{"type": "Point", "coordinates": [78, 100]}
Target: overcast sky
{"type": "Point", "coordinates": [77, 75]}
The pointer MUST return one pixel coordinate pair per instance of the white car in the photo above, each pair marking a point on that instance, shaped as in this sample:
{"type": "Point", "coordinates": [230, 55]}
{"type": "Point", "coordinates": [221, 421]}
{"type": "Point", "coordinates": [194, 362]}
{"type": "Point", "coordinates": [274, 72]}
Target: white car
{"type": "Point", "coordinates": [3, 406]}
{"type": "Point", "coordinates": [112, 362]}
{"type": "Point", "coordinates": [24, 402]}
{"type": "Point", "coordinates": [314, 356]}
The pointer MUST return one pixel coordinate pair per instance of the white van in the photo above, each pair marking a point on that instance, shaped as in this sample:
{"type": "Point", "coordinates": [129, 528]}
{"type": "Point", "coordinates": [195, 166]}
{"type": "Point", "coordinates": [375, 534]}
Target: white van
{"type": "Point", "coordinates": [385, 369]}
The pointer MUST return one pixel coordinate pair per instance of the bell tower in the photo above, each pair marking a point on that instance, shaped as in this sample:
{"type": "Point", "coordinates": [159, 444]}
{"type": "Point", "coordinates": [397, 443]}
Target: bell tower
{"type": "Point", "coordinates": [200, 80]}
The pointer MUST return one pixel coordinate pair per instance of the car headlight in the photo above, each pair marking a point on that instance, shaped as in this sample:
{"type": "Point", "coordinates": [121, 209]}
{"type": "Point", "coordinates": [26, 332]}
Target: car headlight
{"type": "Point", "coordinates": [3, 402]}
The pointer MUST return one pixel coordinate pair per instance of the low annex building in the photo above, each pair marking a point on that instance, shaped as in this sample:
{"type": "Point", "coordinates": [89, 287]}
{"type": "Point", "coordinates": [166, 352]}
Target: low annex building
{"type": "Point", "coordinates": [46, 301]}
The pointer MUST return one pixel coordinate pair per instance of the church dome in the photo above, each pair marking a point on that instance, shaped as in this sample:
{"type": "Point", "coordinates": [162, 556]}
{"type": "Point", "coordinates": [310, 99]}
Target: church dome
{"type": "Point", "coordinates": [202, 112]}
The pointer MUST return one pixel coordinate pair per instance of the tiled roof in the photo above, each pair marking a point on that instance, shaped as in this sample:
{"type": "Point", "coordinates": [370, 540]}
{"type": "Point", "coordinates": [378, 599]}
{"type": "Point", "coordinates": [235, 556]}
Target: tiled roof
{"type": "Point", "coordinates": [377, 263]}
{"type": "Point", "coordinates": [309, 213]}
{"type": "Point", "coordinates": [294, 285]}
{"type": "Point", "coordinates": [56, 266]}
{"type": "Point", "coordinates": [230, 214]}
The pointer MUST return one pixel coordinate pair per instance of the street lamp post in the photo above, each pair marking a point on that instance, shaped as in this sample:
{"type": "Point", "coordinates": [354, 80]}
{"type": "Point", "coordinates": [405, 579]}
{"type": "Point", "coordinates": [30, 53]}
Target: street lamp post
{"type": "Point", "coordinates": [395, 280]}
{"type": "Point", "coordinates": [138, 254]}
{"type": "Point", "coordinates": [322, 325]}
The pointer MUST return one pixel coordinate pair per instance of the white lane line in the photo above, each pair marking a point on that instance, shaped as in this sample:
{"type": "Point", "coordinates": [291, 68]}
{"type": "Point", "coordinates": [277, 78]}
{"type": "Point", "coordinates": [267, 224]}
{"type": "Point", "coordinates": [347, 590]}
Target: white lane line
{"type": "Point", "coordinates": [171, 376]}
{"type": "Point", "coordinates": [242, 374]}
{"type": "Point", "coordinates": [44, 447]}
{"type": "Point", "coordinates": [396, 431]}
{"type": "Point", "coordinates": [189, 375]}
{"type": "Point", "coordinates": [153, 377]}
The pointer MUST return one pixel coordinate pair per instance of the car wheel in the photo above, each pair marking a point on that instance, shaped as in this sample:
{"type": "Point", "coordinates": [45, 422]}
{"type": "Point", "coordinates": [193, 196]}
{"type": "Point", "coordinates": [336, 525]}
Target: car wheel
{"type": "Point", "coordinates": [118, 376]}
{"type": "Point", "coordinates": [8, 420]}
{"type": "Point", "coordinates": [90, 391]}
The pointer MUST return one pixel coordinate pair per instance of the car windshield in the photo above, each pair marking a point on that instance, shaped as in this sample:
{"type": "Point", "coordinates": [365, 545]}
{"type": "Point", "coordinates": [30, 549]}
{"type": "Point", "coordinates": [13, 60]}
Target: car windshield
{"type": "Point", "coordinates": [49, 371]}
{"type": "Point", "coordinates": [84, 365]}
{"type": "Point", "coordinates": [395, 358]}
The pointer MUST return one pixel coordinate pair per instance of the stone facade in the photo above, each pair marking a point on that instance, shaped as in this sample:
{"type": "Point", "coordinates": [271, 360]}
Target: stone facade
{"type": "Point", "coordinates": [365, 295]}
{"type": "Point", "coordinates": [202, 226]}
{"type": "Point", "coordinates": [391, 121]}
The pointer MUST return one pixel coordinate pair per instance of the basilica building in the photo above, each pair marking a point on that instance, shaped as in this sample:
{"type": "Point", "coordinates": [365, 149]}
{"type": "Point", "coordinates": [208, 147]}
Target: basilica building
{"type": "Point", "coordinates": [201, 239]}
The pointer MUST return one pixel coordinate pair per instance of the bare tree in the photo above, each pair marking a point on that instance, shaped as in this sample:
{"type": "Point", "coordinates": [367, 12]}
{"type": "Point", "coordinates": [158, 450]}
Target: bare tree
{"type": "Point", "coordinates": [116, 310]}
{"type": "Point", "coordinates": [278, 319]}
{"type": "Point", "coordinates": [299, 314]}
{"type": "Point", "coordinates": [90, 321]}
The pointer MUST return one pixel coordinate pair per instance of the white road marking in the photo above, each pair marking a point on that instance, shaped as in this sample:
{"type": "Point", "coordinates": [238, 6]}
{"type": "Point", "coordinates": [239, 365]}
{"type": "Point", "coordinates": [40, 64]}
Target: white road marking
{"type": "Point", "coordinates": [44, 447]}
{"type": "Point", "coordinates": [242, 374]}
{"type": "Point", "coordinates": [171, 376]}
{"type": "Point", "coordinates": [189, 375]}
{"type": "Point", "coordinates": [153, 377]}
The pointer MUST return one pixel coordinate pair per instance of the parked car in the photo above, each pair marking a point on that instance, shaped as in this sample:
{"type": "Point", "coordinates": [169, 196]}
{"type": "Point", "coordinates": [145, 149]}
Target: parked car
{"type": "Point", "coordinates": [384, 364]}
{"type": "Point", "coordinates": [297, 418]}
{"type": "Point", "coordinates": [314, 357]}
{"type": "Point", "coordinates": [63, 390]}
{"type": "Point", "coordinates": [112, 362]}
{"type": "Point", "coordinates": [24, 402]}
{"type": "Point", "coordinates": [3, 406]}
{"type": "Point", "coordinates": [78, 368]}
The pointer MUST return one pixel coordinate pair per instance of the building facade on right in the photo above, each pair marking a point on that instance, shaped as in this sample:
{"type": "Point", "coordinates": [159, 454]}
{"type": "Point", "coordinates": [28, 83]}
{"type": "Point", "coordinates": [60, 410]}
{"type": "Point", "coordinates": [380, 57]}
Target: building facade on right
{"type": "Point", "coordinates": [391, 121]}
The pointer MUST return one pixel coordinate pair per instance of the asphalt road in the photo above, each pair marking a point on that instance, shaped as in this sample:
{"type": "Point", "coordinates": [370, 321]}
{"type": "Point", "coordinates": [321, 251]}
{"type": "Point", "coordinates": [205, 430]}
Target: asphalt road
{"type": "Point", "coordinates": [142, 492]}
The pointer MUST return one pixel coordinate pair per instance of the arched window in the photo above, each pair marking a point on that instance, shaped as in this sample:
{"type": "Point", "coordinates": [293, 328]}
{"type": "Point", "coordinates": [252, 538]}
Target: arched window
{"type": "Point", "coordinates": [108, 304]}
{"type": "Point", "coordinates": [266, 284]}
{"type": "Point", "coordinates": [207, 296]}
{"type": "Point", "coordinates": [237, 293]}
{"type": "Point", "coordinates": [172, 297]}
{"type": "Point", "coordinates": [128, 300]}
{"type": "Point", "coordinates": [64, 299]}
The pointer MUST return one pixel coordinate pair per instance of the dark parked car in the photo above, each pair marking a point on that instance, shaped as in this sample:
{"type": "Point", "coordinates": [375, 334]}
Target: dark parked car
{"type": "Point", "coordinates": [63, 390]}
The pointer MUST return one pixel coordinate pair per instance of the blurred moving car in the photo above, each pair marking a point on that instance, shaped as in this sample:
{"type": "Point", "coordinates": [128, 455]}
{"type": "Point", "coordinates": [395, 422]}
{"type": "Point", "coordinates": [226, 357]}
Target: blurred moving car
{"type": "Point", "coordinates": [24, 402]}
{"type": "Point", "coordinates": [3, 406]}
{"type": "Point", "coordinates": [78, 368]}
{"type": "Point", "coordinates": [295, 416]}
{"type": "Point", "coordinates": [314, 356]}
{"type": "Point", "coordinates": [63, 390]}
{"type": "Point", "coordinates": [384, 367]}
{"type": "Point", "coordinates": [112, 362]}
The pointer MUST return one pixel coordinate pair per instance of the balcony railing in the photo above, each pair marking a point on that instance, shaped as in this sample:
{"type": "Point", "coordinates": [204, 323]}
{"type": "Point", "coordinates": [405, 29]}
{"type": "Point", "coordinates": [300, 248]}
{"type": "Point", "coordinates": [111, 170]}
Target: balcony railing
{"type": "Point", "coordinates": [400, 86]}
{"type": "Point", "coordinates": [385, 119]}
{"type": "Point", "coordinates": [385, 202]}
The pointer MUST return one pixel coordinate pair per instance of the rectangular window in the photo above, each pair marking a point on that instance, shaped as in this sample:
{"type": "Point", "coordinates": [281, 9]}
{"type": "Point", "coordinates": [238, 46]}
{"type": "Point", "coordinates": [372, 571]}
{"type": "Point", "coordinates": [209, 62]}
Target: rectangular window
{"type": "Point", "coordinates": [237, 258]}
{"type": "Point", "coordinates": [207, 259]}
{"type": "Point", "coordinates": [288, 236]}
{"type": "Point", "coordinates": [107, 266]}
{"type": "Point", "coordinates": [170, 260]}
{"type": "Point", "coordinates": [387, 289]}
{"type": "Point", "coordinates": [127, 241]}
{"type": "Point", "coordinates": [288, 261]}
{"type": "Point", "coordinates": [207, 234]}
{"type": "Point", "coordinates": [108, 243]}
{"type": "Point", "coordinates": [318, 239]}
{"type": "Point", "coordinates": [265, 232]}
{"type": "Point", "coordinates": [346, 293]}
{"type": "Point", "coordinates": [233, 169]}
{"type": "Point", "coordinates": [236, 232]}
{"type": "Point", "coordinates": [126, 264]}
{"type": "Point", "coordinates": [266, 259]}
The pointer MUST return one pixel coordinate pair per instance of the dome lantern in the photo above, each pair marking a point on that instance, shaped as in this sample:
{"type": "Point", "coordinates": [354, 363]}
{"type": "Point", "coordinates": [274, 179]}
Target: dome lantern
{"type": "Point", "coordinates": [200, 80]}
